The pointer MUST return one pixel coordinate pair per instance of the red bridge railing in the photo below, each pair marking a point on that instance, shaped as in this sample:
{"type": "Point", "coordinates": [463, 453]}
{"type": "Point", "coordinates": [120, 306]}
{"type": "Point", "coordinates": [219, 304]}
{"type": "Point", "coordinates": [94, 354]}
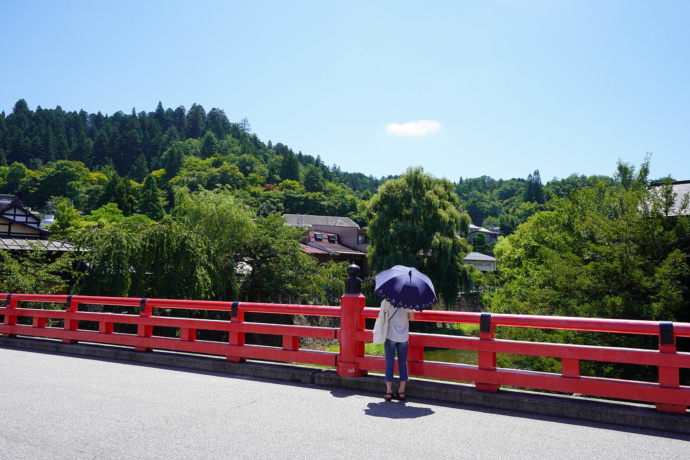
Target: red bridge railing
{"type": "Point", "coordinates": [667, 394]}
{"type": "Point", "coordinates": [145, 340]}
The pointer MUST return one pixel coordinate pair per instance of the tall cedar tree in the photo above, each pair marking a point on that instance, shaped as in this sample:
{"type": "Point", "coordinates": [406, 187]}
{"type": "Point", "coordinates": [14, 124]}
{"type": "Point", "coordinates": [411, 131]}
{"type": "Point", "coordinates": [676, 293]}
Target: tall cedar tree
{"type": "Point", "coordinates": [150, 204]}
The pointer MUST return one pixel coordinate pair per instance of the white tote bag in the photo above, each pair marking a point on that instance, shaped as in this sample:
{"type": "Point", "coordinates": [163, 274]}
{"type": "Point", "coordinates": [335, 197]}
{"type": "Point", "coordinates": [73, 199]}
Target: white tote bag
{"type": "Point", "coordinates": [381, 325]}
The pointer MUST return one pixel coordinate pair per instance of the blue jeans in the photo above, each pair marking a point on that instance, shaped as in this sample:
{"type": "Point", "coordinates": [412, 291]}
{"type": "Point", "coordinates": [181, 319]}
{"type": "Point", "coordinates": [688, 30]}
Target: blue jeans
{"type": "Point", "coordinates": [390, 348]}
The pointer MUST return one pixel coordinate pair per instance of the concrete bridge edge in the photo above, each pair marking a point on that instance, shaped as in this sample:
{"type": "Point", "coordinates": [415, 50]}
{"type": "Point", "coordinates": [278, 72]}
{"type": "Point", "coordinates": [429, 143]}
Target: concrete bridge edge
{"type": "Point", "coordinates": [525, 402]}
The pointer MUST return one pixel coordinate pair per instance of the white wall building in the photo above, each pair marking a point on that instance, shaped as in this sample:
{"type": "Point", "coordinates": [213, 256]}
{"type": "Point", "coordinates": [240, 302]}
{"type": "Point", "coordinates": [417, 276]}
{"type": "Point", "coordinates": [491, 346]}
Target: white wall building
{"type": "Point", "coordinates": [483, 262]}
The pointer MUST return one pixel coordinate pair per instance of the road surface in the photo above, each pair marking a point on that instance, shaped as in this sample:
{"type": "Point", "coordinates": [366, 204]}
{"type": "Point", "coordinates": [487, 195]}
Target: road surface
{"type": "Point", "coordinates": [63, 407]}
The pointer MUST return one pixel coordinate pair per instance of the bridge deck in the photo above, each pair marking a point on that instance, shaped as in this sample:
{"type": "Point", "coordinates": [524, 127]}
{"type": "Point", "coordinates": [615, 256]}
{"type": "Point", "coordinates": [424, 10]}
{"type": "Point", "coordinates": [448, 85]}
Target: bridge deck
{"type": "Point", "coordinates": [57, 406]}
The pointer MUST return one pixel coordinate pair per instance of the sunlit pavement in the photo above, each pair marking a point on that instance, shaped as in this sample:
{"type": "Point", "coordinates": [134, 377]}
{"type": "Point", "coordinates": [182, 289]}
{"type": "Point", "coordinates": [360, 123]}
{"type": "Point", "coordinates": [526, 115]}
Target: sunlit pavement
{"type": "Point", "coordinates": [62, 407]}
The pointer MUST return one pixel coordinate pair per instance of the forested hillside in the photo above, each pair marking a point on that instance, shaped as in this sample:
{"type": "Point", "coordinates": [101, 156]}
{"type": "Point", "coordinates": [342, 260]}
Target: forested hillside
{"type": "Point", "coordinates": [508, 203]}
{"type": "Point", "coordinates": [94, 159]}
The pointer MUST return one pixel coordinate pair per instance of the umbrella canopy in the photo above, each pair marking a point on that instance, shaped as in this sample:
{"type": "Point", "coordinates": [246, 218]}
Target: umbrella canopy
{"type": "Point", "coordinates": [406, 287]}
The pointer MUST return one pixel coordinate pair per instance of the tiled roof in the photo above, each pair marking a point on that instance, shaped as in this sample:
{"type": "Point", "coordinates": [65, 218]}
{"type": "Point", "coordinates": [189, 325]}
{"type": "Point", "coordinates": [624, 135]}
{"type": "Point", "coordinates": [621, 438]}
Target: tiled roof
{"type": "Point", "coordinates": [22, 244]}
{"type": "Point", "coordinates": [478, 257]}
{"type": "Point", "coordinates": [328, 243]}
{"type": "Point", "coordinates": [303, 220]}
{"type": "Point", "coordinates": [311, 250]}
{"type": "Point", "coordinates": [475, 229]}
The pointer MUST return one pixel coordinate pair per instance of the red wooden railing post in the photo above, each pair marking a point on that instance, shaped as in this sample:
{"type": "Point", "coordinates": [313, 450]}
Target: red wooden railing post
{"type": "Point", "coordinates": [70, 323]}
{"type": "Point", "coordinates": [105, 327]}
{"type": "Point", "coordinates": [486, 360]}
{"type": "Point", "coordinates": [669, 377]}
{"type": "Point", "coordinates": [10, 320]}
{"type": "Point", "coordinates": [188, 334]}
{"type": "Point", "coordinates": [236, 338]}
{"type": "Point", "coordinates": [570, 368]}
{"type": "Point", "coordinates": [351, 321]}
{"type": "Point", "coordinates": [415, 354]}
{"type": "Point", "coordinates": [290, 343]}
{"type": "Point", "coordinates": [142, 329]}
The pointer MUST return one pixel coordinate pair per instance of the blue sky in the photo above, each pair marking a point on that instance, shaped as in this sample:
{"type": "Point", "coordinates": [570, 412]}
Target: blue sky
{"type": "Point", "coordinates": [461, 88]}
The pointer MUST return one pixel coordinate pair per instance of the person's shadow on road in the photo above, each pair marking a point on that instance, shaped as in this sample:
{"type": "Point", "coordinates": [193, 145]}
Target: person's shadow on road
{"type": "Point", "coordinates": [396, 410]}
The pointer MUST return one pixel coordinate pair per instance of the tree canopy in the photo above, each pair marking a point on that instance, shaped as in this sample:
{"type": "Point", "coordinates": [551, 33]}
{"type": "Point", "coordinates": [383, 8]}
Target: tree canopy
{"type": "Point", "coordinates": [608, 250]}
{"type": "Point", "coordinates": [414, 221]}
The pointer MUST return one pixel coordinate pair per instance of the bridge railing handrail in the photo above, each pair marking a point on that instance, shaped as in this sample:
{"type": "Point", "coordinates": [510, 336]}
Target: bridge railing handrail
{"type": "Point", "coordinates": [234, 349]}
{"type": "Point", "coordinates": [620, 326]}
{"type": "Point", "coordinates": [667, 394]}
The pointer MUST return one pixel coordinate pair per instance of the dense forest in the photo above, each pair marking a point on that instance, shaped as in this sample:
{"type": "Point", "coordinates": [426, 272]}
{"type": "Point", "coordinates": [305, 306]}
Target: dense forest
{"type": "Point", "coordinates": [49, 155]}
{"type": "Point", "coordinates": [92, 160]}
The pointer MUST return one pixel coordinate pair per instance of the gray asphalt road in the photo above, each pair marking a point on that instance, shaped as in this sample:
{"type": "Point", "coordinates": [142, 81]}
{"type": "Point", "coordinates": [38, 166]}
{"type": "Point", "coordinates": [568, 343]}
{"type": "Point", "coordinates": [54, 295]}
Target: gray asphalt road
{"type": "Point", "coordinates": [60, 407]}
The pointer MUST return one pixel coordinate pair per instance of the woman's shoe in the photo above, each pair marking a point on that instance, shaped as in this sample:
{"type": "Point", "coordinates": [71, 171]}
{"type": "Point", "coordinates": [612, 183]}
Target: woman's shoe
{"type": "Point", "coordinates": [399, 396]}
{"type": "Point", "coordinates": [388, 396]}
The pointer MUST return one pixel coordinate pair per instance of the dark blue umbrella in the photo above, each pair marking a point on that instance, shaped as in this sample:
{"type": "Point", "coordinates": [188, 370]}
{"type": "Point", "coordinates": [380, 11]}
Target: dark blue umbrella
{"type": "Point", "coordinates": [406, 287]}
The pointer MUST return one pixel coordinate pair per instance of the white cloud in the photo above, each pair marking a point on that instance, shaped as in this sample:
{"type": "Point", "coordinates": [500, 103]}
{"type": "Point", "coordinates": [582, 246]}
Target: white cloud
{"type": "Point", "coordinates": [413, 128]}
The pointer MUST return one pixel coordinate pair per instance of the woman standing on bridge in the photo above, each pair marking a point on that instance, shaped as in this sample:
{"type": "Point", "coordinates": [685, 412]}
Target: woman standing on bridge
{"type": "Point", "coordinates": [404, 289]}
{"type": "Point", "coordinates": [397, 340]}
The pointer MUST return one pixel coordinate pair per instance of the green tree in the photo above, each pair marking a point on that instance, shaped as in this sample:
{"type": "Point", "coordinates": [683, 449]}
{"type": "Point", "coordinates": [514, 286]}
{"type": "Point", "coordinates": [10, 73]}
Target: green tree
{"type": "Point", "coordinates": [124, 197]}
{"type": "Point", "coordinates": [110, 255]}
{"type": "Point", "coordinates": [248, 164]}
{"type": "Point", "coordinates": [129, 146]}
{"type": "Point", "coordinates": [35, 271]}
{"type": "Point", "coordinates": [414, 221]}
{"type": "Point", "coordinates": [224, 223]}
{"type": "Point", "coordinates": [139, 169]}
{"type": "Point", "coordinates": [101, 152]}
{"type": "Point", "coordinates": [174, 263]}
{"type": "Point", "coordinates": [313, 180]}
{"type": "Point", "coordinates": [15, 175]}
{"type": "Point", "coordinates": [106, 216]}
{"type": "Point", "coordinates": [209, 145]}
{"type": "Point", "coordinates": [226, 175]}
{"type": "Point", "coordinates": [289, 169]}
{"type": "Point", "coordinates": [150, 204]}
{"type": "Point", "coordinates": [609, 250]}
{"type": "Point", "coordinates": [508, 223]}
{"type": "Point", "coordinates": [172, 161]}
{"type": "Point", "coordinates": [479, 241]}
{"type": "Point", "coordinates": [162, 260]}
{"type": "Point", "coordinates": [196, 121]}
{"type": "Point", "coordinates": [277, 264]}
{"type": "Point", "coordinates": [534, 191]}
{"type": "Point", "coordinates": [67, 219]}
{"type": "Point", "coordinates": [60, 178]}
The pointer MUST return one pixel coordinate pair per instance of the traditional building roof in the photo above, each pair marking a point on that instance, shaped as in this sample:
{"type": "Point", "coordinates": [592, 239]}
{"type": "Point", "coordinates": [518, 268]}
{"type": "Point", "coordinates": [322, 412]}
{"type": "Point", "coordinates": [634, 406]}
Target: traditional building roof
{"type": "Point", "coordinates": [307, 221]}
{"type": "Point", "coordinates": [478, 257]}
{"type": "Point", "coordinates": [25, 244]}
{"type": "Point", "coordinates": [476, 229]}
{"type": "Point", "coordinates": [304, 247]}
{"type": "Point", "coordinates": [328, 243]}
{"type": "Point", "coordinates": [18, 222]}
{"type": "Point", "coordinates": [20, 230]}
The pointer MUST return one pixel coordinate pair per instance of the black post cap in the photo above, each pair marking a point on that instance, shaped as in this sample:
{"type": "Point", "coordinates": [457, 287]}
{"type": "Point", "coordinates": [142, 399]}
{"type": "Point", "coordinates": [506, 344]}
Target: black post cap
{"type": "Point", "coordinates": [666, 335]}
{"type": "Point", "coordinates": [485, 322]}
{"type": "Point", "coordinates": [353, 285]}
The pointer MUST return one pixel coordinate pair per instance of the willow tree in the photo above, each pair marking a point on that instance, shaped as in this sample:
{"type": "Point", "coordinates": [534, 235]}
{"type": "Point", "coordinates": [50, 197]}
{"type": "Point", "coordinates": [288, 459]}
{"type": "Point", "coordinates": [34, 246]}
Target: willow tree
{"type": "Point", "coordinates": [35, 271]}
{"type": "Point", "coordinates": [225, 224]}
{"type": "Point", "coordinates": [414, 220]}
